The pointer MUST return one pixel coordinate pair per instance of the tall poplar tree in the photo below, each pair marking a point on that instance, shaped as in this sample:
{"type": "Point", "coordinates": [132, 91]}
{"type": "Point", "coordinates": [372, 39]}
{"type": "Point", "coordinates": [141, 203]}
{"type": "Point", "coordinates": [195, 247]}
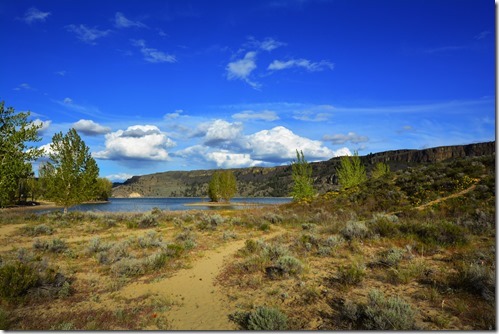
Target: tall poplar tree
{"type": "Point", "coordinates": [15, 152]}
{"type": "Point", "coordinates": [71, 175]}
{"type": "Point", "coordinates": [351, 172]}
{"type": "Point", "coordinates": [222, 185]}
{"type": "Point", "coordinates": [303, 186]}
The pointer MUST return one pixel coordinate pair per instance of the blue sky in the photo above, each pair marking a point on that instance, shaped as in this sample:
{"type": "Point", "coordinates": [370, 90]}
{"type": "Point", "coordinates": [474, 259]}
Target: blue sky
{"type": "Point", "coordinates": [154, 86]}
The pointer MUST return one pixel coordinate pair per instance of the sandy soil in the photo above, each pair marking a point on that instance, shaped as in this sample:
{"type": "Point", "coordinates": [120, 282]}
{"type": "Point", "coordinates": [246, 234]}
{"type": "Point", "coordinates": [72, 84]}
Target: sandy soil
{"type": "Point", "coordinates": [200, 305]}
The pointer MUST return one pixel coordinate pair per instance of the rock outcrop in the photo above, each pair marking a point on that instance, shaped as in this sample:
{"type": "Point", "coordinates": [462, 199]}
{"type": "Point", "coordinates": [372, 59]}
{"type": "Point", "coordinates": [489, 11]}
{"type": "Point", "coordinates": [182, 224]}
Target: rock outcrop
{"type": "Point", "coordinates": [277, 182]}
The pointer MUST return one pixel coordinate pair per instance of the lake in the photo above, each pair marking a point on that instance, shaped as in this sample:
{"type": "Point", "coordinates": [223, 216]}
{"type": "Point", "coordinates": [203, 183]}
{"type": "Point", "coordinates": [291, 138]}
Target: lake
{"type": "Point", "coordinates": [170, 203]}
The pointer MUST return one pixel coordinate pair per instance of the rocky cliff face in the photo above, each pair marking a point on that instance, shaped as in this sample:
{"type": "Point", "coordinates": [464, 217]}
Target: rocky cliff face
{"type": "Point", "coordinates": [276, 181]}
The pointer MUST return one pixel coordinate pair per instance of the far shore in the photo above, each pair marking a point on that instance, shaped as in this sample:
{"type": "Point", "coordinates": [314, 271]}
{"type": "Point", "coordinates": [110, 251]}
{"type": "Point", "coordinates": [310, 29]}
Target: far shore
{"type": "Point", "coordinates": [41, 205]}
{"type": "Point", "coordinates": [222, 204]}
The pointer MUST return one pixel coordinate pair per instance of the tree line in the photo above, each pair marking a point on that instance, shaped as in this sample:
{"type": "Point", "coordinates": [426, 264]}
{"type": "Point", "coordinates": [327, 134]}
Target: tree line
{"type": "Point", "coordinates": [68, 177]}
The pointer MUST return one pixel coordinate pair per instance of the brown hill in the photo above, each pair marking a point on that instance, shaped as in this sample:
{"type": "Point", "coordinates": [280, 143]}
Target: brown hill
{"type": "Point", "coordinates": [276, 181]}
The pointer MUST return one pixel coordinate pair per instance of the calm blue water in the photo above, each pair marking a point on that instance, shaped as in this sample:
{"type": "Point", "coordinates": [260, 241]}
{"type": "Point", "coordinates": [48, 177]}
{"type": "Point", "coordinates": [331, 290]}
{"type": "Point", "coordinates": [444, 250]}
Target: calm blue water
{"type": "Point", "coordinates": [147, 204]}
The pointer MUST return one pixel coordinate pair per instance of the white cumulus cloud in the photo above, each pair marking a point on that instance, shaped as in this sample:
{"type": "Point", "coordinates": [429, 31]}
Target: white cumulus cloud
{"type": "Point", "coordinates": [227, 159]}
{"type": "Point", "coordinates": [279, 144]}
{"type": "Point", "coordinates": [220, 132]}
{"type": "Point", "coordinates": [90, 128]}
{"type": "Point", "coordinates": [138, 142]}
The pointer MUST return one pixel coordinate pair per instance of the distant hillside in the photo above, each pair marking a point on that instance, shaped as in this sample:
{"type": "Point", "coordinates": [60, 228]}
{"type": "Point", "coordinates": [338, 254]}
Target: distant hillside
{"type": "Point", "coordinates": [276, 181]}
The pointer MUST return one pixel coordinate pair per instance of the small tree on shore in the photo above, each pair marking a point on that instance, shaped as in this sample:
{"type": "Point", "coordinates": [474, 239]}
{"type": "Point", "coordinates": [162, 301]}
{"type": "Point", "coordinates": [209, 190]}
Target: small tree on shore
{"type": "Point", "coordinates": [71, 175]}
{"type": "Point", "coordinates": [222, 185]}
{"type": "Point", "coordinates": [303, 186]}
{"type": "Point", "coordinates": [351, 172]}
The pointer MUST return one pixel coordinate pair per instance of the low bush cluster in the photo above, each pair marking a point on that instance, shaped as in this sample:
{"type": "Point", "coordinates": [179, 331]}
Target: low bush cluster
{"type": "Point", "coordinates": [379, 313]}
{"type": "Point", "coordinates": [263, 318]}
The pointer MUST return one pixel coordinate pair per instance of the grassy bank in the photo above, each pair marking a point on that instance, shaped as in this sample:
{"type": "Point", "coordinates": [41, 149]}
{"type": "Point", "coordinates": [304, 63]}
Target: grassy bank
{"type": "Point", "coordinates": [413, 250]}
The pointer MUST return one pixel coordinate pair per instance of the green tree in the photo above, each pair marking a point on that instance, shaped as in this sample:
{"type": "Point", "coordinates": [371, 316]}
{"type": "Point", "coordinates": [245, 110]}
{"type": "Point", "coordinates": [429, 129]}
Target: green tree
{"type": "Point", "coordinates": [104, 189]}
{"type": "Point", "coordinates": [302, 178]}
{"type": "Point", "coordinates": [222, 185]}
{"type": "Point", "coordinates": [15, 152]}
{"type": "Point", "coordinates": [380, 169]}
{"type": "Point", "coordinates": [351, 172]}
{"type": "Point", "coordinates": [71, 175]}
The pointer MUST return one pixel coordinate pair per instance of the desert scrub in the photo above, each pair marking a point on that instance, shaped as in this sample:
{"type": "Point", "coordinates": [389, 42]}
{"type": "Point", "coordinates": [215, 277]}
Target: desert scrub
{"type": "Point", "coordinates": [210, 222]}
{"type": "Point", "coordinates": [387, 314]}
{"type": "Point", "coordinates": [355, 230]}
{"type": "Point", "coordinates": [37, 230]}
{"type": "Point", "coordinates": [476, 278]}
{"type": "Point", "coordinates": [55, 245]}
{"type": "Point", "coordinates": [263, 318]}
{"type": "Point", "coordinates": [150, 239]}
{"type": "Point", "coordinates": [148, 220]}
{"type": "Point", "coordinates": [4, 319]}
{"type": "Point", "coordinates": [442, 233]}
{"type": "Point", "coordinates": [95, 245]}
{"type": "Point", "coordinates": [379, 313]}
{"type": "Point", "coordinates": [289, 265]}
{"type": "Point", "coordinates": [16, 279]}
{"type": "Point", "coordinates": [352, 274]}
{"type": "Point", "coordinates": [390, 257]}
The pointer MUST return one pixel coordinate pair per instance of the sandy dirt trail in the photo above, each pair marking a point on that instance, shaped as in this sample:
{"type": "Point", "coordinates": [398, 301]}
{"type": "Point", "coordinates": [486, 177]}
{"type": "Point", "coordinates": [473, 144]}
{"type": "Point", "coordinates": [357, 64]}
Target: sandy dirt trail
{"type": "Point", "coordinates": [201, 304]}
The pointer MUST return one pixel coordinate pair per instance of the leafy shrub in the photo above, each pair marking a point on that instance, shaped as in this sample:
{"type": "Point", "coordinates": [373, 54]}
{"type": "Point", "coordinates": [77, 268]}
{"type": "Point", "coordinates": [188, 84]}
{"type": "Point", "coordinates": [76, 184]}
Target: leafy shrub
{"type": "Point", "coordinates": [476, 278]}
{"type": "Point", "coordinates": [174, 250]}
{"type": "Point", "coordinates": [387, 314]}
{"type": "Point", "coordinates": [148, 220]}
{"type": "Point", "coordinates": [4, 319]}
{"type": "Point", "coordinates": [352, 274]}
{"type": "Point", "coordinates": [439, 233]}
{"type": "Point", "coordinates": [262, 319]}
{"type": "Point", "coordinates": [96, 245]}
{"type": "Point", "coordinates": [150, 239]}
{"type": "Point", "coordinates": [16, 279]}
{"type": "Point", "coordinates": [355, 230]}
{"type": "Point", "coordinates": [37, 230]}
{"type": "Point", "coordinates": [390, 257]}
{"type": "Point", "coordinates": [156, 260]}
{"type": "Point", "coordinates": [274, 251]}
{"type": "Point", "coordinates": [273, 218]}
{"type": "Point", "coordinates": [290, 265]}
{"type": "Point", "coordinates": [55, 245]}
{"type": "Point", "coordinates": [229, 235]}
{"type": "Point", "coordinates": [128, 267]}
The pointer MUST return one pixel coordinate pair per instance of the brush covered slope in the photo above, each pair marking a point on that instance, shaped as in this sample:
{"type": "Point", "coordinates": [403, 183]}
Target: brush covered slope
{"type": "Point", "coordinates": [277, 181]}
{"type": "Point", "coordinates": [414, 249]}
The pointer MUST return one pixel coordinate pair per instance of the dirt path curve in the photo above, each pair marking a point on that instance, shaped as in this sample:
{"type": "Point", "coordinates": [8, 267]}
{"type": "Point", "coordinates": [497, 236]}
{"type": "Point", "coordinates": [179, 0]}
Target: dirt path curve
{"type": "Point", "coordinates": [438, 200]}
{"type": "Point", "coordinates": [201, 304]}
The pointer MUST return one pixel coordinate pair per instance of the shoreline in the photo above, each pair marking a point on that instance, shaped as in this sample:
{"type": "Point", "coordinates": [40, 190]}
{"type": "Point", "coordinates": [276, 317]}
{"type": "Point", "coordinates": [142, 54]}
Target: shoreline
{"type": "Point", "coordinates": [223, 204]}
{"type": "Point", "coordinates": [42, 205]}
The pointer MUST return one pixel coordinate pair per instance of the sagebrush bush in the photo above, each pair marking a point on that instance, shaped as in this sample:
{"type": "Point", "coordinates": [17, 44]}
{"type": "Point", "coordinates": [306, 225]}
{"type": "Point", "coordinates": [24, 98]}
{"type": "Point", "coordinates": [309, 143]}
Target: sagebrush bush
{"type": "Point", "coordinates": [37, 230]}
{"type": "Point", "coordinates": [55, 245]}
{"type": "Point", "coordinates": [128, 267]}
{"type": "Point", "coordinates": [147, 220]}
{"type": "Point", "coordinates": [267, 319]}
{"type": "Point", "coordinates": [390, 257]}
{"type": "Point", "coordinates": [355, 230]}
{"type": "Point", "coordinates": [387, 314]}
{"type": "Point", "coordinates": [476, 278]}
{"type": "Point", "coordinates": [16, 279]}
{"type": "Point", "coordinates": [290, 265]}
{"type": "Point", "coordinates": [352, 274]}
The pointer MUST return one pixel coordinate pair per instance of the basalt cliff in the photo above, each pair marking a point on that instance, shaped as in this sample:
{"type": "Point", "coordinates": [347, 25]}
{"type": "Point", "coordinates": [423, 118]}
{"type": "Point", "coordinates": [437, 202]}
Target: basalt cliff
{"type": "Point", "coordinates": [277, 182]}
